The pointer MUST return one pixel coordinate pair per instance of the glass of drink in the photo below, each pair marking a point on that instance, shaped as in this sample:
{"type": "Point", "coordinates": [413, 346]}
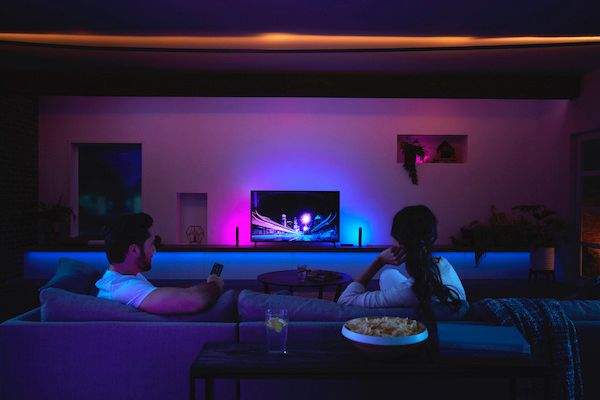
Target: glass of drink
{"type": "Point", "coordinates": [276, 324]}
{"type": "Point", "coordinates": [302, 270]}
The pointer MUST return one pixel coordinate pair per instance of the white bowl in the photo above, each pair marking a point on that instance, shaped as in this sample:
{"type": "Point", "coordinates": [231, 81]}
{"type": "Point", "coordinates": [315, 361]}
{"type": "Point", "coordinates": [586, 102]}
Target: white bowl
{"type": "Point", "coordinates": [387, 346]}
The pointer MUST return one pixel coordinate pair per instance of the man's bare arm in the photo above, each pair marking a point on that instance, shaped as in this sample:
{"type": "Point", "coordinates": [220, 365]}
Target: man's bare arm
{"type": "Point", "coordinates": [171, 300]}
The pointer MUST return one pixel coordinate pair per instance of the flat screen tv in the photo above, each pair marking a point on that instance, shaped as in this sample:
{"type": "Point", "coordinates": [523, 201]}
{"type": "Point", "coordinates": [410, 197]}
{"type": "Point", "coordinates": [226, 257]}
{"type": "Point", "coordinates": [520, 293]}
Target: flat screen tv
{"type": "Point", "coordinates": [294, 216]}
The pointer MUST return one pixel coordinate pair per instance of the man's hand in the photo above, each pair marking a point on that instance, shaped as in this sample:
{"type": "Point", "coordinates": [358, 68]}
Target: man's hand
{"type": "Point", "coordinates": [217, 280]}
{"type": "Point", "coordinates": [394, 256]}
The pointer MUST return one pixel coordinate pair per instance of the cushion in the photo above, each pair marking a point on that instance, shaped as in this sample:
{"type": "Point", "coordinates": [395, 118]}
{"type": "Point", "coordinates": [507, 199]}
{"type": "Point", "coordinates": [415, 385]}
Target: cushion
{"type": "Point", "coordinates": [478, 312]}
{"type": "Point", "coordinates": [61, 305]}
{"type": "Point", "coordinates": [576, 310]}
{"type": "Point", "coordinates": [445, 312]}
{"type": "Point", "coordinates": [581, 310]}
{"type": "Point", "coordinates": [74, 276]}
{"type": "Point", "coordinates": [252, 306]}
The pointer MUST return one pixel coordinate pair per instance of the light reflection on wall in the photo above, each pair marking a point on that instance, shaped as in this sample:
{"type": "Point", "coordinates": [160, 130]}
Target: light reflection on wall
{"type": "Point", "coordinates": [249, 264]}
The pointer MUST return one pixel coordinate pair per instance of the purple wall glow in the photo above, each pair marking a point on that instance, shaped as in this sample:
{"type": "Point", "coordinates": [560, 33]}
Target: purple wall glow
{"type": "Point", "coordinates": [225, 147]}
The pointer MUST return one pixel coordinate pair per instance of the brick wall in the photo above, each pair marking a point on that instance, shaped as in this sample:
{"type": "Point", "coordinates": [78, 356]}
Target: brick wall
{"type": "Point", "coordinates": [19, 180]}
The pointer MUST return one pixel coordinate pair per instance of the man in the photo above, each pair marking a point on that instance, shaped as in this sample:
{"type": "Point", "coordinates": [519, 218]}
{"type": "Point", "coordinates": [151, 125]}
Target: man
{"type": "Point", "coordinates": [130, 246]}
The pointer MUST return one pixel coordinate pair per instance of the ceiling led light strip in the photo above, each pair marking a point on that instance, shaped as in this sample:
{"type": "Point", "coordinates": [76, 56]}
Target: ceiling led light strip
{"type": "Point", "coordinates": [286, 42]}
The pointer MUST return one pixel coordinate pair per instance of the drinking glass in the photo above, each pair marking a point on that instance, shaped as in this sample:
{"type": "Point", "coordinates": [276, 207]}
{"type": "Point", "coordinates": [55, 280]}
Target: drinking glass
{"type": "Point", "coordinates": [301, 270]}
{"type": "Point", "coordinates": [276, 324]}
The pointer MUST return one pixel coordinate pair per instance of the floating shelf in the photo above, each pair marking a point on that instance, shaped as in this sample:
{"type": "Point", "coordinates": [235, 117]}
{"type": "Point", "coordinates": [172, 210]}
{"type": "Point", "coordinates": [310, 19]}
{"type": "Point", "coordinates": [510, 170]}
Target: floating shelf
{"type": "Point", "coordinates": [439, 149]}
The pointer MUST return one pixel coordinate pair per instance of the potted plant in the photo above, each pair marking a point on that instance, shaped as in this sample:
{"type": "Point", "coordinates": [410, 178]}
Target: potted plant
{"type": "Point", "coordinates": [410, 151]}
{"type": "Point", "coordinates": [530, 228]}
{"type": "Point", "coordinates": [55, 220]}
{"type": "Point", "coordinates": [501, 231]}
{"type": "Point", "coordinates": [544, 232]}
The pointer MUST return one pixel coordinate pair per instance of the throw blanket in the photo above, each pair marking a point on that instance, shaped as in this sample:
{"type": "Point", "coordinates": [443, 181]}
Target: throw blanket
{"type": "Point", "coordinates": [552, 337]}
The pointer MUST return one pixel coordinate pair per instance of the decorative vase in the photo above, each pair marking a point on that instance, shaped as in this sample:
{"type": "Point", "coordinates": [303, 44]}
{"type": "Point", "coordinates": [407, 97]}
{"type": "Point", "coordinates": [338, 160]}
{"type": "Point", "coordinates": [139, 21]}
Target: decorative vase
{"type": "Point", "coordinates": [542, 259]}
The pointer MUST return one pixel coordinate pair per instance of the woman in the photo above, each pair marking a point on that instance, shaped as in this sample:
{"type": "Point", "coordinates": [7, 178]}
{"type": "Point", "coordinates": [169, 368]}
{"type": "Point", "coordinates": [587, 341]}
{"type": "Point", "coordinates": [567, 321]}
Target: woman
{"type": "Point", "coordinates": [425, 282]}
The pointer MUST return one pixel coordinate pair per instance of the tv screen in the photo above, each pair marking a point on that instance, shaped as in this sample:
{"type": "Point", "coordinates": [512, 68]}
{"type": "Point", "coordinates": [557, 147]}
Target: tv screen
{"type": "Point", "coordinates": [295, 216]}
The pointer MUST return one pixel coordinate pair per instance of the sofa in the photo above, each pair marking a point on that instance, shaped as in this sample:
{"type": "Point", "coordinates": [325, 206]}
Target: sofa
{"type": "Point", "coordinates": [77, 346]}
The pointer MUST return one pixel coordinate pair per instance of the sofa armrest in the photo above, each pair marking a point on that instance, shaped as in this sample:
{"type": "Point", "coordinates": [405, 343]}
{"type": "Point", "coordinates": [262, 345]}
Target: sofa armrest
{"type": "Point", "coordinates": [100, 360]}
{"type": "Point", "coordinates": [31, 315]}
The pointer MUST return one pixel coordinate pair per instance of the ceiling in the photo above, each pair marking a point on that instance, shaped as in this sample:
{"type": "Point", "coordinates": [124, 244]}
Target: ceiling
{"type": "Point", "coordinates": [550, 59]}
{"type": "Point", "coordinates": [90, 26]}
{"type": "Point", "coordinates": [345, 17]}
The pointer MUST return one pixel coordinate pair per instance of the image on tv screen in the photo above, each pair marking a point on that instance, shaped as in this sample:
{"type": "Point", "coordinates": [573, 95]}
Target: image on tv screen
{"type": "Point", "coordinates": [295, 216]}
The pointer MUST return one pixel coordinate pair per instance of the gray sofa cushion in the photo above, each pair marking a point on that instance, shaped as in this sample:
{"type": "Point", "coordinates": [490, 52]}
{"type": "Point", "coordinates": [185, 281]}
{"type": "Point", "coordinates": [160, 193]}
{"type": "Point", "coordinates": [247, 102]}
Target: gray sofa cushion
{"type": "Point", "coordinates": [581, 310]}
{"type": "Point", "coordinates": [74, 276]}
{"type": "Point", "coordinates": [445, 312]}
{"type": "Point", "coordinates": [477, 312]}
{"type": "Point", "coordinates": [61, 305]}
{"type": "Point", "coordinates": [252, 306]}
{"type": "Point", "coordinates": [576, 310]}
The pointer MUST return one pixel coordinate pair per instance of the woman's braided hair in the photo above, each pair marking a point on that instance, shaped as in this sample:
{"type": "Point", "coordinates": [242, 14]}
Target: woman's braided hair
{"type": "Point", "coordinates": [415, 229]}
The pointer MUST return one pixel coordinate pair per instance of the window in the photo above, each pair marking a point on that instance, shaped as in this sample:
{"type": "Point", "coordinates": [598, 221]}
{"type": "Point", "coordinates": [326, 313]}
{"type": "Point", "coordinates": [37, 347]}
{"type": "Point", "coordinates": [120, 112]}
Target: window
{"type": "Point", "coordinates": [588, 202]}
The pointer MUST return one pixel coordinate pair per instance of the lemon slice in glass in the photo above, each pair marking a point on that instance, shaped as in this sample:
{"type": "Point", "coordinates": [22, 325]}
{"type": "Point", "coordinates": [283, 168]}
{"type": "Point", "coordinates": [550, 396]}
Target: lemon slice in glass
{"type": "Point", "coordinates": [276, 323]}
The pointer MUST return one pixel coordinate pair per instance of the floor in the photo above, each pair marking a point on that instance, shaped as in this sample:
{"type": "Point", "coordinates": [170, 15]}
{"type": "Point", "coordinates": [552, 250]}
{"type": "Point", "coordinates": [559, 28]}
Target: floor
{"type": "Point", "coordinates": [20, 295]}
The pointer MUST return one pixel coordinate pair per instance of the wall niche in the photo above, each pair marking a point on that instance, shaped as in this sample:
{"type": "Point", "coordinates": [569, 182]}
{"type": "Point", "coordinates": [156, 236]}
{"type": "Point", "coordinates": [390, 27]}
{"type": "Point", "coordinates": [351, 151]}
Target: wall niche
{"type": "Point", "coordinates": [192, 218]}
{"type": "Point", "coordinates": [438, 149]}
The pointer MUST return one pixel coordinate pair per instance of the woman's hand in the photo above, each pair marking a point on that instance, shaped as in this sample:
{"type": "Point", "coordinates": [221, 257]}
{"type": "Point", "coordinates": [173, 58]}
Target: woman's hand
{"type": "Point", "coordinates": [393, 256]}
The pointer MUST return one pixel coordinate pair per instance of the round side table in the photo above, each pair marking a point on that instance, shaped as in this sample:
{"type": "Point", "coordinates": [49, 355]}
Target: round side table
{"type": "Point", "coordinates": [291, 280]}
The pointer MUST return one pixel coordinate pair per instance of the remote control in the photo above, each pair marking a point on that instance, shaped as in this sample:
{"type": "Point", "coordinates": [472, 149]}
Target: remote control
{"type": "Point", "coordinates": [216, 269]}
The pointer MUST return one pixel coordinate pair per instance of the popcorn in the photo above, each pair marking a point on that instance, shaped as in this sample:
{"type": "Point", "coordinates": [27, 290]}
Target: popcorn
{"type": "Point", "coordinates": [384, 326]}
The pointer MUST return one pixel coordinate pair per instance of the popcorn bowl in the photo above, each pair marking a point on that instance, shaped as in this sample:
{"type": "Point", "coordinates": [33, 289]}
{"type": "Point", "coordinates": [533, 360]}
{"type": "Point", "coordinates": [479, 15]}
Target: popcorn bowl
{"type": "Point", "coordinates": [384, 347]}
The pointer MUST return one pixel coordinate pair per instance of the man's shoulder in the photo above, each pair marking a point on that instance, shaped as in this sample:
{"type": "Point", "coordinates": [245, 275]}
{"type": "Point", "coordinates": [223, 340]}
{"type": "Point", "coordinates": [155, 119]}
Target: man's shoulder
{"type": "Point", "coordinates": [115, 277]}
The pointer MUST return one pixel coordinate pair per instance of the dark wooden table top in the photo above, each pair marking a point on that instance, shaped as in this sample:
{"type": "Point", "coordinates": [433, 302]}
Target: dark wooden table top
{"type": "Point", "coordinates": [339, 358]}
{"type": "Point", "coordinates": [290, 278]}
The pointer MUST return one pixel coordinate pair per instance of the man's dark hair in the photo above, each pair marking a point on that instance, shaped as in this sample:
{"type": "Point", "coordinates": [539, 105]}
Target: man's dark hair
{"type": "Point", "coordinates": [126, 230]}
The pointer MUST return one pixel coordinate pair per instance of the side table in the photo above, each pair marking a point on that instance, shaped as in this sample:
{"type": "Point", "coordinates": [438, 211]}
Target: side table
{"type": "Point", "coordinates": [290, 280]}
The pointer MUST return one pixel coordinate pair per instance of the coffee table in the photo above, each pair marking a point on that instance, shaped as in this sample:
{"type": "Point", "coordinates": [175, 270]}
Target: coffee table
{"type": "Point", "coordinates": [290, 279]}
{"type": "Point", "coordinates": [338, 359]}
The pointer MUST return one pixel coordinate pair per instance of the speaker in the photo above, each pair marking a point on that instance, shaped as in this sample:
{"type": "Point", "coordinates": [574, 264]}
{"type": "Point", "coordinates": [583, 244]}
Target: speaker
{"type": "Point", "coordinates": [360, 237]}
{"type": "Point", "coordinates": [237, 236]}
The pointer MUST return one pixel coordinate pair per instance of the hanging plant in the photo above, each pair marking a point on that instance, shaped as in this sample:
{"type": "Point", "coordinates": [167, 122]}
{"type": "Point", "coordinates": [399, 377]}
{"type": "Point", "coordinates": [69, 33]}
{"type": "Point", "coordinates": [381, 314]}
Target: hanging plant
{"type": "Point", "coordinates": [410, 152]}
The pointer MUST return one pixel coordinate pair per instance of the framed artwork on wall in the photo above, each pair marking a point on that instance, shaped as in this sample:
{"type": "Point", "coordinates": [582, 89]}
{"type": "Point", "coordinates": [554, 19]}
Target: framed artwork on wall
{"type": "Point", "coordinates": [109, 185]}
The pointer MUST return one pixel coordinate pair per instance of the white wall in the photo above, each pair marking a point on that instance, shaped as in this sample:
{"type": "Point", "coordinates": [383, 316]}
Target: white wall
{"type": "Point", "coordinates": [517, 153]}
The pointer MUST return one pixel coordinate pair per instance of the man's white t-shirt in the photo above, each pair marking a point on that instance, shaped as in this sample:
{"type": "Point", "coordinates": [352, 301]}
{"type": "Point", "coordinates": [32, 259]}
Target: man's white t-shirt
{"type": "Point", "coordinates": [396, 288]}
{"type": "Point", "coordinates": [126, 289]}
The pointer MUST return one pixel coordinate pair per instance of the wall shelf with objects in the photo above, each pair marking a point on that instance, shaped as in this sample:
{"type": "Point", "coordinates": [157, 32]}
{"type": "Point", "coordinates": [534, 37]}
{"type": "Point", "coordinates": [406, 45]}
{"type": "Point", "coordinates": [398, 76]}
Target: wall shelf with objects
{"type": "Point", "coordinates": [437, 149]}
{"type": "Point", "coordinates": [192, 218]}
